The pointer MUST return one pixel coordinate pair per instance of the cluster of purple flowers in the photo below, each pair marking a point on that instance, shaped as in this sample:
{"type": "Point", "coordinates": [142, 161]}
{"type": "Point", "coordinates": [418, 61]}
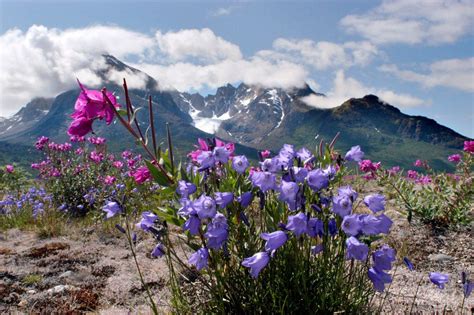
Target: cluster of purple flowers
{"type": "Point", "coordinates": [35, 198]}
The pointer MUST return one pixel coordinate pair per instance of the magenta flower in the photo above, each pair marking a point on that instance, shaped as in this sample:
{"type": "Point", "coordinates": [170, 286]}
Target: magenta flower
{"type": "Point", "coordinates": [412, 174]}
{"type": "Point", "coordinates": [109, 180]}
{"type": "Point", "coordinates": [80, 127]}
{"type": "Point", "coordinates": [141, 175]}
{"type": "Point", "coordinates": [440, 279]}
{"type": "Point", "coordinates": [256, 263]}
{"type": "Point", "coordinates": [9, 168]}
{"type": "Point", "coordinates": [418, 163]}
{"type": "Point", "coordinates": [469, 146]}
{"type": "Point", "coordinates": [455, 158]}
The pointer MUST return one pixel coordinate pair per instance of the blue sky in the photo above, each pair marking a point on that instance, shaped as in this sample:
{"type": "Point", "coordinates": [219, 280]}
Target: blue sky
{"type": "Point", "coordinates": [415, 55]}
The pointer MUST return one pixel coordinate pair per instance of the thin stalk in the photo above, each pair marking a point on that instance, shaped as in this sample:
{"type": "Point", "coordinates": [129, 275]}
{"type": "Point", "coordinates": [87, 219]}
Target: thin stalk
{"type": "Point", "coordinates": [170, 146]}
{"type": "Point", "coordinates": [416, 293]}
{"type": "Point", "coordinates": [388, 291]}
{"type": "Point", "coordinates": [142, 280]}
{"type": "Point", "coordinates": [152, 123]}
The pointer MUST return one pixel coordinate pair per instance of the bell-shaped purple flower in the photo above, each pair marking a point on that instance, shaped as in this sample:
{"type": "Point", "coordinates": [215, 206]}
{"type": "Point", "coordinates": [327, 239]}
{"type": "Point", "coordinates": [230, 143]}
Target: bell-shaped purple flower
{"type": "Point", "coordinates": [240, 164]}
{"type": "Point", "coordinates": [223, 198]}
{"type": "Point", "coordinates": [192, 224]}
{"type": "Point", "coordinates": [440, 279]}
{"type": "Point", "coordinates": [317, 249]}
{"type": "Point", "coordinates": [356, 249]}
{"type": "Point", "coordinates": [299, 174]}
{"type": "Point", "coordinates": [317, 180]}
{"type": "Point", "coordinates": [270, 165]}
{"type": "Point", "coordinates": [383, 257]}
{"type": "Point", "coordinates": [256, 263]}
{"type": "Point", "coordinates": [263, 180]}
{"type": "Point", "coordinates": [304, 155]}
{"type": "Point", "coordinates": [379, 279]}
{"type": "Point", "coordinates": [148, 219]}
{"type": "Point", "coordinates": [111, 208]}
{"type": "Point", "coordinates": [158, 251]}
{"type": "Point", "coordinates": [375, 202]}
{"type": "Point", "coordinates": [408, 263]}
{"type": "Point", "coordinates": [349, 192]}
{"type": "Point", "coordinates": [354, 154]}
{"type": "Point", "coordinates": [187, 207]}
{"type": "Point", "coordinates": [199, 258]}
{"type": "Point", "coordinates": [206, 160]}
{"type": "Point", "coordinates": [315, 227]}
{"type": "Point", "coordinates": [221, 154]}
{"type": "Point", "coordinates": [274, 240]}
{"type": "Point", "coordinates": [341, 205]}
{"type": "Point", "coordinates": [217, 231]}
{"type": "Point", "coordinates": [185, 189]}
{"type": "Point", "coordinates": [351, 224]}
{"type": "Point", "coordinates": [332, 227]}
{"type": "Point", "coordinates": [245, 199]}
{"type": "Point", "coordinates": [205, 207]}
{"type": "Point", "coordinates": [467, 288]}
{"type": "Point", "coordinates": [287, 150]}
{"type": "Point", "coordinates": [288, 191]}
{"type": "Point", "coordinates": [298, 223]}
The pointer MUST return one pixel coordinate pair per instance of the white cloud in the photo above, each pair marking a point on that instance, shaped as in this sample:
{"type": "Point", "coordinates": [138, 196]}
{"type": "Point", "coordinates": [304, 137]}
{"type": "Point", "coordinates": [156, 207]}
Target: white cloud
{"type": "Point", "coordinates": [188, 76]}
{"type": "Point", "coordinates": [345, 88]}
{"type": "Point", "coordinates": [454, 73]}
{"type": "Point", "coordinates": [322, 55]}
{"type": "Point", "coordinates": [201, 44]}
{"type": "Point", "coordinates": [223, 11]}
{"type": "Point", "coordinates": [412, 22]}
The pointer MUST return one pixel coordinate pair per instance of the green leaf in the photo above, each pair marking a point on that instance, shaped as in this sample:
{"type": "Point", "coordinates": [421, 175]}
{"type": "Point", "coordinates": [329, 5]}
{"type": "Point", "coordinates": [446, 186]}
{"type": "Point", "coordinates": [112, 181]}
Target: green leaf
{"type": "Point", "coordinates": [158, 176]}
{"type": "Point", "coordinates": [122, 112]}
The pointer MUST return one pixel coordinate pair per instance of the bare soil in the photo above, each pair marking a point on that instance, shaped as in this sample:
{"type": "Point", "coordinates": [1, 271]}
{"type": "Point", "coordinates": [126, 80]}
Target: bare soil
{"type": "Point", "coordinates": [91, 272]}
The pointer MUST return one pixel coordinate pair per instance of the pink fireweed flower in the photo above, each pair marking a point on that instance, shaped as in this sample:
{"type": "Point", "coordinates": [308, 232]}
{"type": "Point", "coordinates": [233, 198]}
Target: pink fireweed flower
{"type": "Point", "coordinates": [109, 180]}
{"type": "Point", "coordinates": [97, 140]}
{"type": "Point", "coordinates": [41, 142]}
{"type": "Point", "coordinates": [77, 139]}
{"type": "Point", "coordinates": [424, 180]}
{"type": "Point", "coordinates": [141, 175]}
{"type": "Point", "coordinates": [419, 163]}
{"type": "Point", "coordinates": [79, 151]}
{"type": "Point", "coordinates": [117, 164]}
{"type": "Point", "coordinates": [91, 105]}
{"type": "Point", "coordinates": [455, 158]}
{"type": "Point", "coordinates": [469, 146]}
{"type": "Point", "coordinates": [368, 166]}
{"type": "Point", "coordinates": [265, 154]}
{"type": "Point", "coordinates": [126, 155]}
{"type": "Point", "coordinates": [394, 170]}
{"type": "Point", "coordinates": [96, 157]}
{"type": "Point", "coordinates": [412, 174]}
{"type": "Point", "coordinates": [9, 168]}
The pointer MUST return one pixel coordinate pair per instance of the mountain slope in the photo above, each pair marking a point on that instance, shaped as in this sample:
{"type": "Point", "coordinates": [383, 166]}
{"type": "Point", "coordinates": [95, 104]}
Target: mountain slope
{"type": "Point", "coordinates": [251, 116]}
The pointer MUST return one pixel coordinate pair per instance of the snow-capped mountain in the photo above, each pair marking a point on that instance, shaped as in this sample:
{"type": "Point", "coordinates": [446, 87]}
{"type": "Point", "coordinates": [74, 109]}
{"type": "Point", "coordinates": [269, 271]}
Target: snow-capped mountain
{"type": "Point", "coordinates": [244, 113]}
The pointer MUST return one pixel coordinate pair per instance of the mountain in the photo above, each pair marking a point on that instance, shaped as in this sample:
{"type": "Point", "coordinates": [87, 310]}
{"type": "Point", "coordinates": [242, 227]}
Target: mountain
{"type": "Point", "coordinates": [251, 116]}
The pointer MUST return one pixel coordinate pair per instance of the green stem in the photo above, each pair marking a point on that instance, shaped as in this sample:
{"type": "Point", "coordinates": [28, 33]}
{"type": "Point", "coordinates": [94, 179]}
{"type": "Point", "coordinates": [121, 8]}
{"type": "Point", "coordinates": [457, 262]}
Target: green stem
{"type": "Point", "coordinates": [416, 293]}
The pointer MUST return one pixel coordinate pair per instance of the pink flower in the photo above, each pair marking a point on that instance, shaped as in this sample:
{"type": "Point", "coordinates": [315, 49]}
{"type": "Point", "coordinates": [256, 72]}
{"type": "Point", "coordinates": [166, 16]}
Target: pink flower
{"type": "Point", "coordinates": [41, 142]}
{"type": "Point", "coordinates": [368, 166]}
{"type": "Point", "coordinates": [117, 164]}
{"type": "Point", "coordinates": [109, 180]}
{"type": "Point", "coordinates": [96, 157]}
{"type": "Point", "coordinates": [418, 163]}
{"type": "Point", "coordinates": [79, 151]}
{"type": "Point", "coordinates": [91, 105]}
{"type": "Point", "coordinates": [9, 168]}
{"type": "Point", "coordinates": [265, 154]}
{"type": "Point", "coordinates": [423, 180]}
{"type": "Point", "coordinates": [80, 127]}
{"type": "Point", "coordinates": [455, 158]}
{"type": "Point", "coordinates": [469, 146]}
{"type": "Point", "coordinates": [394, 170]}
{"type": "Point", "coordinates": [141, 175]}
{"type": "Point", "coordinates": [412, 174]}
{"type": "Point", "coordinates": [97, 140]}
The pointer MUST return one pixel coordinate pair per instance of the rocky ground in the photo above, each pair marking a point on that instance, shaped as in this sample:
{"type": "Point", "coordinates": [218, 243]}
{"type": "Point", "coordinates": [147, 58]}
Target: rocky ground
{"type": "Point", "coordinates": [94, 272]}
